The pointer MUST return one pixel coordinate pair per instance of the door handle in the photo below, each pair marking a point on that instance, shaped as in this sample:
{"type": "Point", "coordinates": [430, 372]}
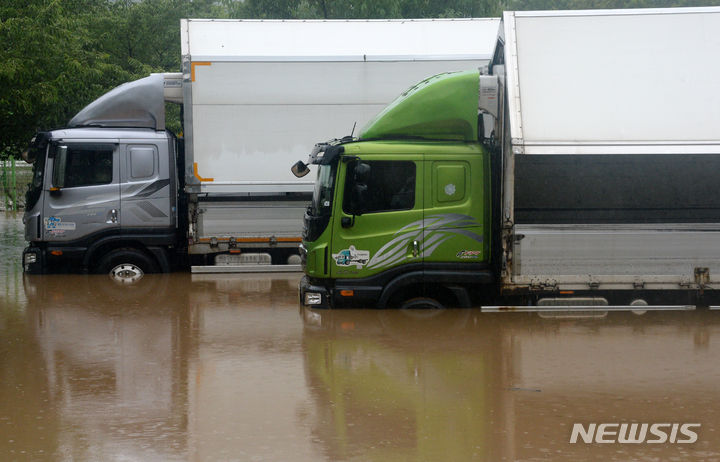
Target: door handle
{"type": "Point", "coordinates": [416, 248]}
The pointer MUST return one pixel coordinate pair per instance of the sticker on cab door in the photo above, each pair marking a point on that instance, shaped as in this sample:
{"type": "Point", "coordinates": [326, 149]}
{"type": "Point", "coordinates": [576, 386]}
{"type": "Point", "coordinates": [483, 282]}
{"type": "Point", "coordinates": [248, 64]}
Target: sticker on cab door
{"type": "Point", "coordinates": [56, 224]}
{"type": "Point", "coordinates": [351, 256]}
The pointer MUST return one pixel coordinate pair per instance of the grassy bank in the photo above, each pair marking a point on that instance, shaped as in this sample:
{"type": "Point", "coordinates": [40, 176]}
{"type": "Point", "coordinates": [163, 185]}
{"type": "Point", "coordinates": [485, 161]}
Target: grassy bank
{"type": "Point", "coordinates": [14, 191]}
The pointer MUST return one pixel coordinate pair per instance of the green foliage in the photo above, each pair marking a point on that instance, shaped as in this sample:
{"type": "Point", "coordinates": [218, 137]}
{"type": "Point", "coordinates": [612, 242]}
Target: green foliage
{"type": "Point", "coordinates": [47, 62]}
{"type": "Point", "coordinates": [528, 5]}
{"type": "Point", "coordinates": [368, 9]}
{"type": "Point", "coordinates": [59, 55]}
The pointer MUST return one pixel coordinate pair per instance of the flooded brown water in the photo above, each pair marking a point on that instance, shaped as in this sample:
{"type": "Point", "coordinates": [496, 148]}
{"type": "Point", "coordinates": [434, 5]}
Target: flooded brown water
{"type": "Point", "coordinates": [227, 367]}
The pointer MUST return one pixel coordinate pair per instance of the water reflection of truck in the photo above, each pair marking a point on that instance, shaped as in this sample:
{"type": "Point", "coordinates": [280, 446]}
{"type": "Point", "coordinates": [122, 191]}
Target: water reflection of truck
{"type": "Point", "coordinates": [160, 361]}
{"type": "Point", "coordinates": [580, 171]}
{"type": "Point", "coordinates": [117, 192]}
{"type": "Point", "coordinates": [96, 341]}
{"type": "Point", "coordinates": [384, 392]}
{"type": "Point", "coordinates": [463, 385]}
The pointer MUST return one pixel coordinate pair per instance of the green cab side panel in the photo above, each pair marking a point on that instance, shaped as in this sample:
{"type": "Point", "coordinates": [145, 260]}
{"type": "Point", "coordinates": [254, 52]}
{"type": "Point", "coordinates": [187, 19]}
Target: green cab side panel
{"type": "Point", "coordinates": [450, 219]}
{"type": "Point", "coordinates": [442, 107]}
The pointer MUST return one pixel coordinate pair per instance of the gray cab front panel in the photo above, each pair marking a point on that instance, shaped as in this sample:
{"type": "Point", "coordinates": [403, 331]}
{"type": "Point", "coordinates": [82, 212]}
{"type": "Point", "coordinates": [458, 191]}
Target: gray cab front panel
{"type": "Point", "coordinates": [146, 188]}
{"type": "Point", "coordinates": [79, 210]}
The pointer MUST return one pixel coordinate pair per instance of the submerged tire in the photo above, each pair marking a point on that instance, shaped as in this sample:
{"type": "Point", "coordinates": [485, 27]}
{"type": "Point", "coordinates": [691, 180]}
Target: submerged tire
{"type": "Point", "coordinates": [422, 309]}
{"type": "Point", "coordinates": [422, 303]}
{"type": "Point", "coordinates": [126, 266]}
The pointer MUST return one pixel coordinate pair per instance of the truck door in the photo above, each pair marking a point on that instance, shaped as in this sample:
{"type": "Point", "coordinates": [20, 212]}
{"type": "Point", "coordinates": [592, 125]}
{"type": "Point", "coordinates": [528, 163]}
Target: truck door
{"type": "Point", "coordinates": [145, 186]}
{"type": "Point", "coordinates": [455, 215]}
{"type": "Point", "coordinates": [83, 199]}
{"type": "Point", "coordinates": [380, 225]}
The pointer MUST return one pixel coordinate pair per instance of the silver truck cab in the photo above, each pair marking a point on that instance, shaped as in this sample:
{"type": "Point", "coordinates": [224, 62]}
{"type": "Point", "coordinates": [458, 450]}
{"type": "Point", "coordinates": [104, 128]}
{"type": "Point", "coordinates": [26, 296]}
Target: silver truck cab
{"type": "Point", "coordinates": [102, 199]}
{"type": "Point", "coordinates": [104, 192]}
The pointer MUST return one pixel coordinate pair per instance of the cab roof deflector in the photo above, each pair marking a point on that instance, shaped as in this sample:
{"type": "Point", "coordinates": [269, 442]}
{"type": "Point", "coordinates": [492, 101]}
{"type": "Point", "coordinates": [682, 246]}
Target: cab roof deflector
{"type": "Point", "coordinates": [137, 104]}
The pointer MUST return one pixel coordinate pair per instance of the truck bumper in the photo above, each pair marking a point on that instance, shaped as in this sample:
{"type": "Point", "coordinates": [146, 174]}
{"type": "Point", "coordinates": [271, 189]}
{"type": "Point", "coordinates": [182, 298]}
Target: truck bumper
{"type": "Point", "coordinates": [39, 259]}
{"type": "Point", "coordinates": [314, 296]}
{"type": "Point", "coordinates": [348, 294]}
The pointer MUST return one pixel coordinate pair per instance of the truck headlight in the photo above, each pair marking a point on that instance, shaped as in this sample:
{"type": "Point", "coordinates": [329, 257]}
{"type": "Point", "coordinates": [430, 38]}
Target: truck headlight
{"type": "Point", "coordinates": [30, 258]}
{"type": "Point", "coordinates": [312, 298]}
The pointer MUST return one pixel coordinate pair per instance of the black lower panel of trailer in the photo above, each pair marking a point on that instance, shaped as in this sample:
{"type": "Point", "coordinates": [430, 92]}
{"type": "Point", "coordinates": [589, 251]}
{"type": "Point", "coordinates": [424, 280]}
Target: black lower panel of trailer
{"type": "Point", "coordinates": [638, 188]}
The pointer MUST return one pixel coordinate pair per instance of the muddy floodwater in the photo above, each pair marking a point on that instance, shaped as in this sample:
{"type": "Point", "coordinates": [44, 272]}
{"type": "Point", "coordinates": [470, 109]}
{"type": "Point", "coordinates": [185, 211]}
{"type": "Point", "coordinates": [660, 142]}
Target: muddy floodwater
{"type": "Point", "coordinates": [228, 367]}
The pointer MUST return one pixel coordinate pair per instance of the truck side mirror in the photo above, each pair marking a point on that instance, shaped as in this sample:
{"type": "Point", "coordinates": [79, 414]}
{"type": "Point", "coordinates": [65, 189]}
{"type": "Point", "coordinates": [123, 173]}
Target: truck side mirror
{"type": "Point", "coordinates": [29, 155]}
{"type": "Point", "coordinates": [59, 163]}
{"type": "Point", "coordinates": [299, 169]}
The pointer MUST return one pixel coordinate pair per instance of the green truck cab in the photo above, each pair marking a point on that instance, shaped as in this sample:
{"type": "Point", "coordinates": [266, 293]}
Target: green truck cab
{"type": "Point", "coordinates": [403, 213]}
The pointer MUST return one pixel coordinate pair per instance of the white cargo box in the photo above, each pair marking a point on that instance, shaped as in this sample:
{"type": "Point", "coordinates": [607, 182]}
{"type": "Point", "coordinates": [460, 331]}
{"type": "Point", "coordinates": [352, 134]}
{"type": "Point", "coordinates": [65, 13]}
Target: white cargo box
{"type": "Point", "coordinates": [614, 117]}
{"type": "Point", "coordinates": [259, 94]}
{"type": "Point", "coordinates": [605, 81]}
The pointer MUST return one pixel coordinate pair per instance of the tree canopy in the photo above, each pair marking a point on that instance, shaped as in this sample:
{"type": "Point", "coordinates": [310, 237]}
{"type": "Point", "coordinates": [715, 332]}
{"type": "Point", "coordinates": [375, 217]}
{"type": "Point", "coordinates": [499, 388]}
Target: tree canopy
{"type": "Point", "coordinates": [56, 56]}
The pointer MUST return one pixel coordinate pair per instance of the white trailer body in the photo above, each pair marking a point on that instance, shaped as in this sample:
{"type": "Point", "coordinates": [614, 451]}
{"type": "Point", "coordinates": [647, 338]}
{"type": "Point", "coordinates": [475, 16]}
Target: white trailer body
{"type": "Point", "coordinates": [630, 95]}
{"type": "Point", "coordinates": [262, 91]}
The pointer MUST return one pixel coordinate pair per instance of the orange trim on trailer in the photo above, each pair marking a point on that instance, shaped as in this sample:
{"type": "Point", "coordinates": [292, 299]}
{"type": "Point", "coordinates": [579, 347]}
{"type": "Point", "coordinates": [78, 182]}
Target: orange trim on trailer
{"type": "Point", "coordinates": [199, 63]}
{"type": "Point", "coordinates": [197, 175]}
{"type": "Point", "coordinates": [253, 239]}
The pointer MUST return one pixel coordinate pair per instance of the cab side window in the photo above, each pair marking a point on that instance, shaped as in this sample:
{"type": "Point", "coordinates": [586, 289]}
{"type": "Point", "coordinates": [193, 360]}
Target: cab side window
{"type": "Point", "coordinates": [83, 166]}
{"type": "Point", "coordinates": [143, 160]}
{"type": "Point", "coordinates": [379, 186]}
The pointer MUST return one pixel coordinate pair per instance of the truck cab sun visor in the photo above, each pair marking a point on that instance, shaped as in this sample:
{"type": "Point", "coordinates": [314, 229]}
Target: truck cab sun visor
{"type": "Point", "coordinates": [325, 153]}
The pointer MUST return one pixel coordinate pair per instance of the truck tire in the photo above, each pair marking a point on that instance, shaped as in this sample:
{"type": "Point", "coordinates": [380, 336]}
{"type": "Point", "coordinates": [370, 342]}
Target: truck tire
{"type": "Point", "coordinates": [422, 303]}
{"type": "Point", "coordinates": [126, 266]}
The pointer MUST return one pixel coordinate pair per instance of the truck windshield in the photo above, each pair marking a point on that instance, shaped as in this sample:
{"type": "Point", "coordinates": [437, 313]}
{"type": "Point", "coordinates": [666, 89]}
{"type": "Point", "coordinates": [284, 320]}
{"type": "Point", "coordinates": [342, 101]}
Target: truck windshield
{"type": "Point", "coordinates": [324, 188]}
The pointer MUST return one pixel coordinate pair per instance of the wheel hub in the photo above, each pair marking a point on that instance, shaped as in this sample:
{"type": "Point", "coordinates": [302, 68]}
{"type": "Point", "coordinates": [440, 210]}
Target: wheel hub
{"type": "Point", "coordinates": [126, 273]}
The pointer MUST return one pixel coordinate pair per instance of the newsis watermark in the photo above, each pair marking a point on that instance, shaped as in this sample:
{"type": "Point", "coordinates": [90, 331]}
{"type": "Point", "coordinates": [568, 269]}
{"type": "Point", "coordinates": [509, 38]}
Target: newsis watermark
{"type": "Point", "coordinates": [635, 433]}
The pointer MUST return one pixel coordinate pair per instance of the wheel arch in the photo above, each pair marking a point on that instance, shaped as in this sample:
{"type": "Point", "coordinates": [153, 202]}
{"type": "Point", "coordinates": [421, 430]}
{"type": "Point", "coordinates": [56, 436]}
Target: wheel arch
{"type": "Point", "coordinates": [99, 249]}
{"type": "Point", "coordinates": [400, 283]}
{"type": "Point", "coordinates": [452, 286]}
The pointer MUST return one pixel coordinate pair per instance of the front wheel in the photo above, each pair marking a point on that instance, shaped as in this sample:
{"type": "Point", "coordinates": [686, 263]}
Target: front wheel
{"type": "Point", "coordinates": [422, 303]}
{"type": "Point", "coordinates": [126, 266]}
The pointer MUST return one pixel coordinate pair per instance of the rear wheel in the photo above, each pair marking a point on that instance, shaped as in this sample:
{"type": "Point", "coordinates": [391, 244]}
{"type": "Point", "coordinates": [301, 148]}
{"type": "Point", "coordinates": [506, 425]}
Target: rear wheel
{"type": "Point", "coordinates": [126, 266]}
